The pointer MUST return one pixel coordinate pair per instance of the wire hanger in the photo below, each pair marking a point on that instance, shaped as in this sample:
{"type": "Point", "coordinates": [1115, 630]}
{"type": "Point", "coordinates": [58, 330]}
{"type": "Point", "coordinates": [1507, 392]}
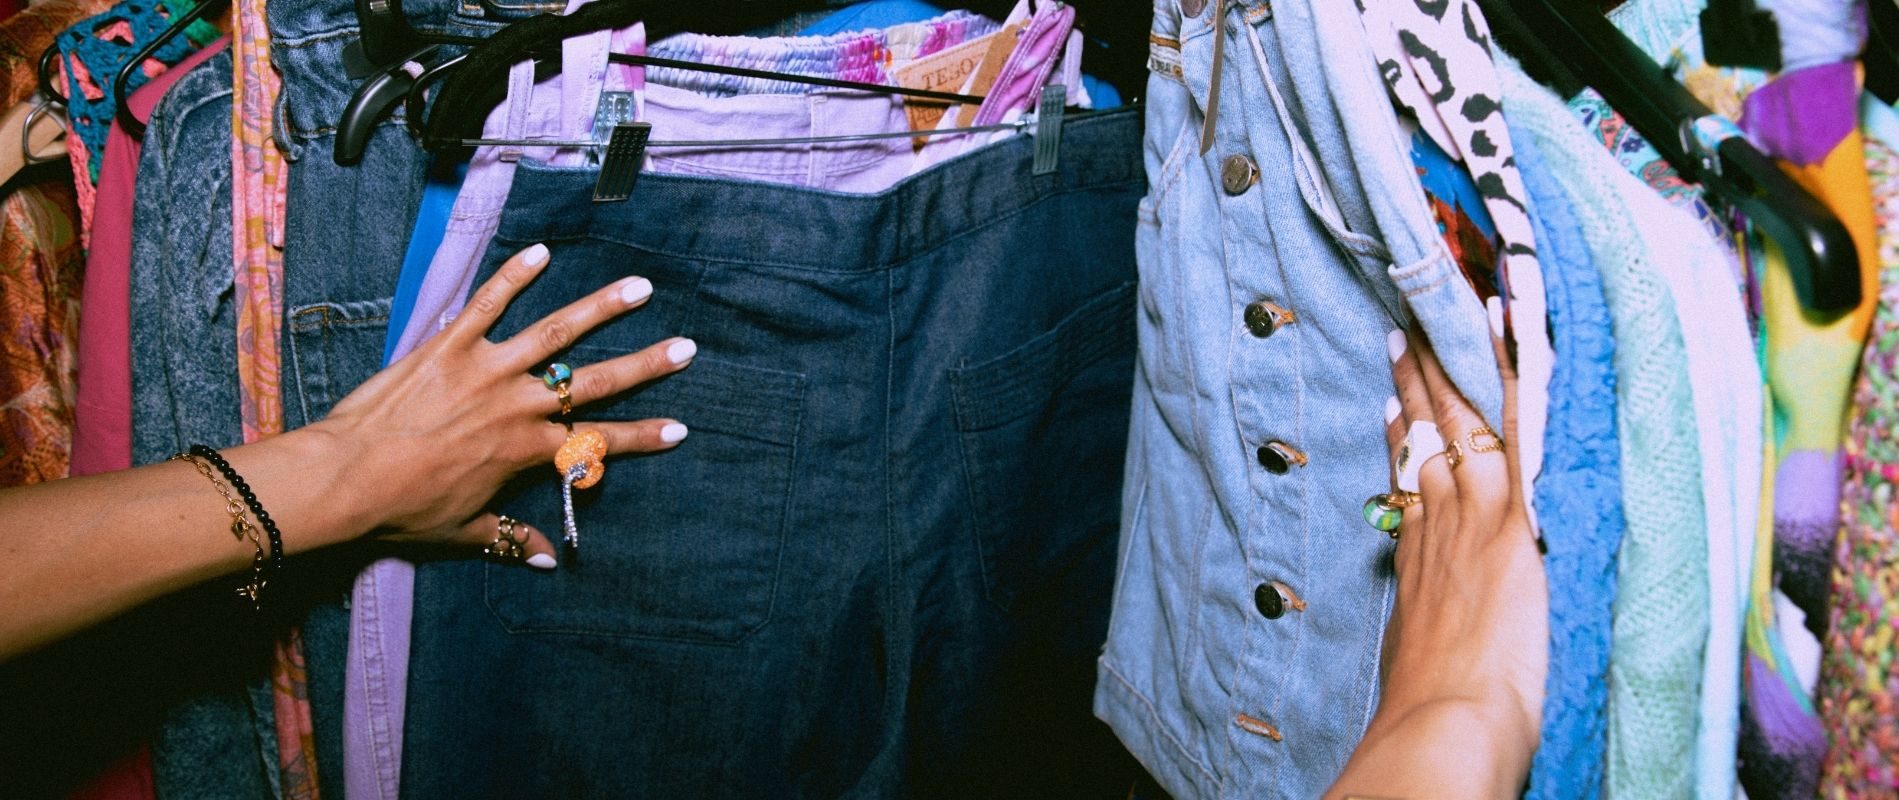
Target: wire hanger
{"type": "Point", "coordinates": [418, 69]}
{"type": "Point", "coordinates": [474, 88]}
{"type": "Point", "coordinates": [1570, 43]}
{"type": "Point", "coordinates": [122, 99]}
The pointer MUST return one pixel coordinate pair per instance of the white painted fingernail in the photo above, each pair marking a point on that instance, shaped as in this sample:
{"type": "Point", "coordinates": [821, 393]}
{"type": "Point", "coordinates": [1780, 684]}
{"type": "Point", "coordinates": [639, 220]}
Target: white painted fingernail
{"type": "Point", "coordinates": [635, 290]}
{"type": "Point", "coordinates": [534, 256]}
{"type": "Point", "coordinates": [673, 433]}
{"type": "Point", "coordinates": [1392, 409]}
{"type": "Point", "coordinates": [1493, 308]}
{"type": "Point", "coordinates": [541, 561]}
{"type": "Point", "coordinates": [1395, 344]}
{"type": "Point", "coordinates": [682, 351]}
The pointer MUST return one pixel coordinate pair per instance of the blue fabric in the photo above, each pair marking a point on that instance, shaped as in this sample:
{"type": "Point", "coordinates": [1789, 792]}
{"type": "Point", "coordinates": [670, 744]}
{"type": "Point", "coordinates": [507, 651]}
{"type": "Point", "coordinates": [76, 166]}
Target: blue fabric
{"type": "Point", "coordinates": [1578, 495]}
{"type": "Point", "coordinates": [431, 223]}
{"type": "Point", "coordinates": [1338, 232]}
{"type": "Point", "coordinates": [872, 14]}
{"type": "Point", "coordinates": [880, 565]}
{"type": "Point", "coordinates": [1447, 179]}
{"type": "Point", "coordinates": [885, 13]}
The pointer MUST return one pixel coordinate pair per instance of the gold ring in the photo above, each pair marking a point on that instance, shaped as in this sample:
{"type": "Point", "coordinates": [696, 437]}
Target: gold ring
{"type": "Point", "coordinates": [1454, 451]}
{"type": "Point", "coordinates": [505, 546]}
{"type": "Point", "coordinates": [1401, 499]}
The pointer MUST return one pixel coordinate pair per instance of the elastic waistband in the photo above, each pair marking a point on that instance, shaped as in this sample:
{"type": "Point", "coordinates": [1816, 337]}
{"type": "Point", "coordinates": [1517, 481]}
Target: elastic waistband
{"type": "Point", "coordinates": [845, 233]}
{"type": "Point", "coordinates": [863, 56]}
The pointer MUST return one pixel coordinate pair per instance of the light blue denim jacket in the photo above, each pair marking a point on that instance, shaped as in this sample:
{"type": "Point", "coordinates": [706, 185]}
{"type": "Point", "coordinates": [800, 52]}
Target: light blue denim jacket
{"type": "Point", "coordinates": [1251, 599]}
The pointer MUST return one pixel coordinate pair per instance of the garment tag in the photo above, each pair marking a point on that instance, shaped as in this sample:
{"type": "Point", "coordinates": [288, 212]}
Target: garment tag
{"type": "Point", "coordinates": [945, 71]}
{"type": "Point", "coordinates": [999, 50]}
{"type": "Point", "coordinates": [620, 168]}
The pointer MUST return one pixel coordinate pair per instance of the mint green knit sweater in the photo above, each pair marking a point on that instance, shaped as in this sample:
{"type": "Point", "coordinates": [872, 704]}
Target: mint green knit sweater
{"type": "Point", "coordinates": [1661, 604]}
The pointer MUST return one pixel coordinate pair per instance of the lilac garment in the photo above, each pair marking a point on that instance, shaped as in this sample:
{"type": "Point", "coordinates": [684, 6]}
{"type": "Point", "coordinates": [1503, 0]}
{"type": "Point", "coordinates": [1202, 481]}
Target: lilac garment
{"type": "Point", "coordinates": [692, 105]}
{"type": "Point", "coordinates": [1018, 86]}
{"type": "Point", "coordinates": [382, 600]}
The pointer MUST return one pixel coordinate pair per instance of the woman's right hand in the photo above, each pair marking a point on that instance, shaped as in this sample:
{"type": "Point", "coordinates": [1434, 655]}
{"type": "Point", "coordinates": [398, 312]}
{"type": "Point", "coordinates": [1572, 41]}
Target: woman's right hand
{"type": "Point", "coordinates": [438, 432]}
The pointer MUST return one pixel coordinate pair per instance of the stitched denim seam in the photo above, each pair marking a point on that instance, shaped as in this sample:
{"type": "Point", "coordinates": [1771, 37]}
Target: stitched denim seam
{"type": "Point", "coordinates": [1028, 376]}
{"type": "Point", "coordinates": [1203, 535]}
{"type": "Point", "coordinates": [892, 589]}
{"type": "Point", "coordinates": [1157, 724]}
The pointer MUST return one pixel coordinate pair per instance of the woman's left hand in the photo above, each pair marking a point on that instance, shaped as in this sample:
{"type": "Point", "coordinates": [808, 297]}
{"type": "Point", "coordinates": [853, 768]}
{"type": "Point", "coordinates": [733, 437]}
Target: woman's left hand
{"type": "Point", "coordinates": [439, 431]}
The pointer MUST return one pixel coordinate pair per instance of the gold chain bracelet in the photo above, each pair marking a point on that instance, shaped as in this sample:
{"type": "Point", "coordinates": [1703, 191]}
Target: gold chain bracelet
{"type": "Point", "coordinates": [241, 528]}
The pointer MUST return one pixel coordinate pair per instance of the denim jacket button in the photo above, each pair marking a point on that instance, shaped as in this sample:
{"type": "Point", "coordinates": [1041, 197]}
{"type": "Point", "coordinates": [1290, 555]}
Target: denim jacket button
{"type": "Point", "coordinates": [1237, 174]}
{"type": "Point", "coordinates": [1264, 317]}
{"type": "Point", "coordinates": [1271, 604]}
{"type": "Point", "coordinates": [1278, 457]}
{"type": "Point", "coordinates": [1192, 8]}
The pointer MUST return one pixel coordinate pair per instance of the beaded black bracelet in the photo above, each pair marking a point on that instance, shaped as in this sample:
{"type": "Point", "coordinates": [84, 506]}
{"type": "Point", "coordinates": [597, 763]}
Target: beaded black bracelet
{"type": "Point", "coordinates": [250, 499]}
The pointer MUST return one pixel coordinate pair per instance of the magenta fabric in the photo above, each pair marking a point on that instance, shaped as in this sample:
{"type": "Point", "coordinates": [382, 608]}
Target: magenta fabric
{"type": "Point", "coordinates": [102, 425]}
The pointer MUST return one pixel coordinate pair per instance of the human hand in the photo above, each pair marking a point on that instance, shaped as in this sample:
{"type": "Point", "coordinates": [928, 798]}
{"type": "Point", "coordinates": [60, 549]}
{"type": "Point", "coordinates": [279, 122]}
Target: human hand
{"type": "Point", "coordinates": [437, 433]}
{"type": "Point", "coordinates": [1467, 647]}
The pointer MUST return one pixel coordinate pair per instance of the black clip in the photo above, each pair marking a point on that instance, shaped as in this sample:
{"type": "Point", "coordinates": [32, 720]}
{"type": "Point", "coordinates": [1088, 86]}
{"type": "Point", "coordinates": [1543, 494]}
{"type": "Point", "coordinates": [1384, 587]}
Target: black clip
{"type": "Point", "coordinates": [620, 167]}
{"type": "Point", "coordinates": [1048, 128]}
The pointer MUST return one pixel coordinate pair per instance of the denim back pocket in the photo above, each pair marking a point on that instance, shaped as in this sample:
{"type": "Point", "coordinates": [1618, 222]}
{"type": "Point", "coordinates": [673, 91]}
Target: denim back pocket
{"type": "Point", "coordinates": [681, 545]}
{"type": "Point", "coordinates": [332, 349]}
{"type": "Point", "coordinates": [1043, 430]}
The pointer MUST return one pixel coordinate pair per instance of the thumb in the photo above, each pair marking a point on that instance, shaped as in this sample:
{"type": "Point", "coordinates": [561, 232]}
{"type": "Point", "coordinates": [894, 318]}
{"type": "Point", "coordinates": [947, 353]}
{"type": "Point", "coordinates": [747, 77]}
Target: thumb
{"type": "Point", "coordinates": [486, 530]}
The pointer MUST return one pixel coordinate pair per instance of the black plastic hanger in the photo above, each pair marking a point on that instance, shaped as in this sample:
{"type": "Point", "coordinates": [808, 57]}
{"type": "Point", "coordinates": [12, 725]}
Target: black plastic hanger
{"type": "Point", "coordinates": [45, 74]}
{"type": "Point", "coordinates": [1583, 44]}
{"type": "Point", "coordinates": [122, 98]}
